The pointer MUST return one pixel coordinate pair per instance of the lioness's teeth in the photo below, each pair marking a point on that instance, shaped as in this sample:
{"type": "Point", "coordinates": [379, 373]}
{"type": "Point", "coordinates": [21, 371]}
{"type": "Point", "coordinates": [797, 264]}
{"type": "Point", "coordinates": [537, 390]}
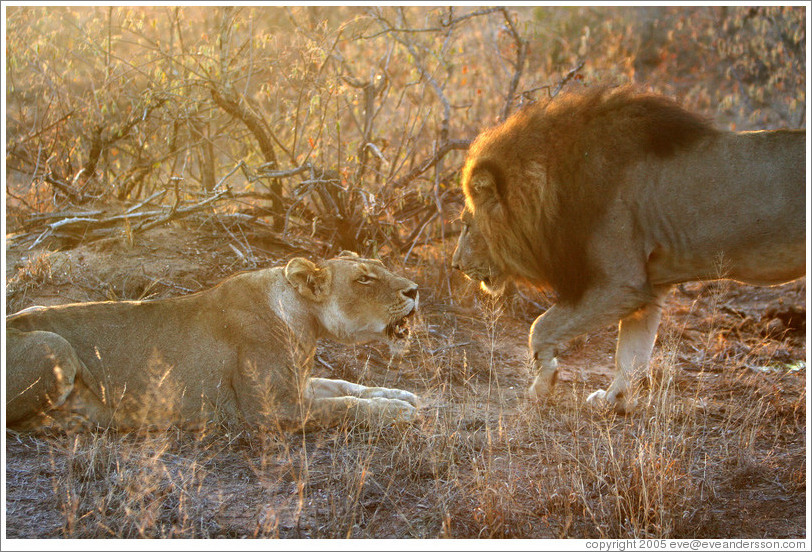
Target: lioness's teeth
{"type": "Point", "coordinates": [400, 329]}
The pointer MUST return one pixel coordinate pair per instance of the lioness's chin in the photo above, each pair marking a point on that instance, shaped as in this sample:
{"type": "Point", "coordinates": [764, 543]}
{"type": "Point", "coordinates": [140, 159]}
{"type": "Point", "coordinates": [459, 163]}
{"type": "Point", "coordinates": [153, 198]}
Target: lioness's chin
{"type": "Point", "coordinates": [398, 347]}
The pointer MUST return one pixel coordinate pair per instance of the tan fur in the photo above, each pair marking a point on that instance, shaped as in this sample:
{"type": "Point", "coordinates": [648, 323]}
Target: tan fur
{"type": "Point", "coordinates": [239, 352]}
{"type": "Point", "coordinates": [610, 197]}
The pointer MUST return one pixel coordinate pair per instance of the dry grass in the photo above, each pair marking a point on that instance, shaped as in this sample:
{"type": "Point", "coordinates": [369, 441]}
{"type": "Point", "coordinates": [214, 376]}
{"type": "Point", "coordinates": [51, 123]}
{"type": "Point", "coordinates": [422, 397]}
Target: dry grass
{"type": "Point", "coordinates": [717, 449]}
{"type": "Point", "coordinates": [557, 471]}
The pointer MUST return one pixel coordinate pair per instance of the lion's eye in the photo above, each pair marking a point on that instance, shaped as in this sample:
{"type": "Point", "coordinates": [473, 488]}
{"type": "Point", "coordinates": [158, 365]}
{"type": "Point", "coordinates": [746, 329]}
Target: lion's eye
{"type": "Point", "coordinates": [365, 279]}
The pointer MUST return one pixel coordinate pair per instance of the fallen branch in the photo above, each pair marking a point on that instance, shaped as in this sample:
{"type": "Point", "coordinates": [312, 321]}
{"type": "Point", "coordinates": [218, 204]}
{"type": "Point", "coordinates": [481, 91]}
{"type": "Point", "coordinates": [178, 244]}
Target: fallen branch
{"type": "Point", "coordinates": [93, 225]}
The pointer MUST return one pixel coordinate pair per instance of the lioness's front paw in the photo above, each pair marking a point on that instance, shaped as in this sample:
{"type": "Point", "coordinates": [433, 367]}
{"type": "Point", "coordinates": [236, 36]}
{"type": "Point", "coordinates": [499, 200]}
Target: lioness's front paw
{"type": "Point", "coordinates": [390, 411]}
{"type": "Point", "coordinates": [402, 395]}
{"type": "Point", "coordinates": [386, 393]}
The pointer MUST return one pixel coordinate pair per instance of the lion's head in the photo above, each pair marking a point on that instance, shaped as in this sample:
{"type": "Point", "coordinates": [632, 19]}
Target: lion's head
{"type": "Point", "coordinates": [537, 185]}
{"type": "Point", "coordinates": [356, 300]}
{"type": "Point", "coordinates": [472, 258]}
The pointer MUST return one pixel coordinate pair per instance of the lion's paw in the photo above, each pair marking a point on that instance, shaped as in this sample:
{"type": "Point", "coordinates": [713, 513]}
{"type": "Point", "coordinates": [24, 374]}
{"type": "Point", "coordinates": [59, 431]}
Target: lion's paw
{"type": "Point", "coordinates": [542, 388]}
{"type": "Point", "coordinates": [391, 411]}
{"type": "Point", "coordinates": [394, 394]}
{"type": "Point", "coordinates": [401, 395]}
{"type": "Point", "coordinates": [616, 401]}
{"type": "Point", "coordinates": [598, 398]}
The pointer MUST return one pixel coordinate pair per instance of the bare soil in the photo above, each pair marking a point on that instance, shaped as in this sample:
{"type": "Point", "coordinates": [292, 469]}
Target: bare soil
{"type": "Point", "coordinates": [719, 451]}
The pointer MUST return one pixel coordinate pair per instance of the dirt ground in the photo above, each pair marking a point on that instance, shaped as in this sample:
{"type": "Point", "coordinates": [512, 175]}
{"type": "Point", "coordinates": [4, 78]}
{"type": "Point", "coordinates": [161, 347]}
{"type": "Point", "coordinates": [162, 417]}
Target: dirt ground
{"type": "Point", "coordinates": [720, 450]}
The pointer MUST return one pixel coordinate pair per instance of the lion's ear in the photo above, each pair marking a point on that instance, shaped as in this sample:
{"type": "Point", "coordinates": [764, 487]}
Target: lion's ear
{"type": "Point", "coordinates": [311, 281]}
{"type": "Point", "coordinates": [485, 192]}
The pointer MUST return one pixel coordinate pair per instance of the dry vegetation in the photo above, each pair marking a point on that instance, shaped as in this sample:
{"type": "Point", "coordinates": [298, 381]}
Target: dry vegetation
{"type": "Point", "coordinates": [153, 151]}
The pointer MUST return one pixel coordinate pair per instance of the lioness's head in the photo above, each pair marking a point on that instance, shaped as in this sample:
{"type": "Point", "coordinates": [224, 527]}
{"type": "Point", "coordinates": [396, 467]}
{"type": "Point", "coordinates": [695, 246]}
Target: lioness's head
{"type": "Point", "coordinates": [356, 299]}
{"type": "Point", "coordinates": [473, 258]}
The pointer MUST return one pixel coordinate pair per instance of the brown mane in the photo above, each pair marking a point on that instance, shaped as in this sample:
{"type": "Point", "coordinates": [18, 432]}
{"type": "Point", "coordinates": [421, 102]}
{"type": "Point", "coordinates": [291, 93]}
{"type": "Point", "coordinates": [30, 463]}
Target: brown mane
{"type": "Point", "coordinates": [556, 165]}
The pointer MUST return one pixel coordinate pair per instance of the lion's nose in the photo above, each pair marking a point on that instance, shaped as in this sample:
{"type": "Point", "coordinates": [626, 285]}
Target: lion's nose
{"type": "Point", "coordinates": [455, 260]}
{"type": "Point", "coordinates": [411, 293]}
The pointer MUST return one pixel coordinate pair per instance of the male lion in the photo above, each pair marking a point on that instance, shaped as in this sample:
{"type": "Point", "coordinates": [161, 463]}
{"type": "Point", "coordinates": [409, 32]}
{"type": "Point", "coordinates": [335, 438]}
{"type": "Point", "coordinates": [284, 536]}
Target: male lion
{"type": "Point", "coordinates": [239, 352]}
{"type": "Point", "coordinates": [609, 197]}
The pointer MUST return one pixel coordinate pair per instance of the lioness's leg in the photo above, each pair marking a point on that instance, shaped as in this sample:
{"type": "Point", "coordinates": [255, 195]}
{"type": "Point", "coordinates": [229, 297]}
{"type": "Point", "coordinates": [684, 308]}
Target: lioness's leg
{"type": "Point", "coordinates": [320, 388]}
{"type": "Point", "coordinates": [372, 412]}
{"type": "Point", "coordinates": [635, 342]}
{"type": "Point", "coordinates": [40, 371]}
{"type": "Point", "coordinates": [599, 307]}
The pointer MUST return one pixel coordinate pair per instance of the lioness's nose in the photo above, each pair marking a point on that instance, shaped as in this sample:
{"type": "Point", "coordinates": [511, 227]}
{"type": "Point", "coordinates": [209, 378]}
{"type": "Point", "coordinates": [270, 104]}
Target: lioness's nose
{"type": "Point", "coordinates": [411, 292]}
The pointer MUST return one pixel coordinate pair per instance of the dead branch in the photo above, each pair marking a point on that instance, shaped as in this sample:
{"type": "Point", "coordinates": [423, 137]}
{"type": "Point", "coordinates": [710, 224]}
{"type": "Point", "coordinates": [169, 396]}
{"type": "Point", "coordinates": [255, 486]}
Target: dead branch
{"type": "Point", "coordinates": [521, 57]}
{"type": "Point", "coordinates": [259, 128]}
{"type": "Point", "coordinates": [251, 120]}
{"type": "Point", "coordinates": [97, 224]}
{"type": "Point", "coordinates": [553, 91]}
{"type": "Point", "coordinates": [426, 164]}
{"type": "Point", "coordinates": [568, 77]}
{"type": "Point", "coordinates": [74, 195]}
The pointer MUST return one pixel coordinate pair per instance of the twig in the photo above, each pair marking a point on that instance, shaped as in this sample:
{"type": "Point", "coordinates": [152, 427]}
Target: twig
{"type": "Point", "coordinates": [444, 24]}
{"type": "Point", "coordinates": [153, 197]}
{"type": "Point", "coordinates": [174, 213]}
{"type": "Point", "coordinates": [521, 56]}
{"type": "Point", "coordinates": [240, 165]}
{"type": "Point", "coordinates": [441, 152]}
{"type": "Point", "coordinates": [74, 195]}
{"type": "Point", "coordinates": [264, 173]}
{"type": "Point", "coordinates": [567, 78]}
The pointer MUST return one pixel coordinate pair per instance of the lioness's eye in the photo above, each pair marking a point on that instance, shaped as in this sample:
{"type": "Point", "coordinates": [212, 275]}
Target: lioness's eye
{"type": "Point", "coordinates": [365, 279]}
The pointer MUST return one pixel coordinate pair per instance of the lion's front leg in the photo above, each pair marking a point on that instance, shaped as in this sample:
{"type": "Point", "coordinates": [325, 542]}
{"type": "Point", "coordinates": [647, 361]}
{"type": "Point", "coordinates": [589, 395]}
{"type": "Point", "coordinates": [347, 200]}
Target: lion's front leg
{"type": "Point", "coordinates": [320, 388]}
{"type": "Point", "coordinates": [599, 307]}
{"type": "Point", "coordinates": [636, 336]}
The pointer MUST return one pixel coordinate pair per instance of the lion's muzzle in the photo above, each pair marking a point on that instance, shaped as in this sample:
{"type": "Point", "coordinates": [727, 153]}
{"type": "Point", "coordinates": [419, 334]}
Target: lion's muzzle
{"type": "Point", "coordinates": [399, 327]}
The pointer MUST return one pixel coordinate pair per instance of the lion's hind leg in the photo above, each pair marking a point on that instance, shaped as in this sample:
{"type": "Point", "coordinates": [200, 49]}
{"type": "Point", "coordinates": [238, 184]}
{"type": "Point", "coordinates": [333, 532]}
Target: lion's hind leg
{"type": "Point", "coordinates": [41, 368]}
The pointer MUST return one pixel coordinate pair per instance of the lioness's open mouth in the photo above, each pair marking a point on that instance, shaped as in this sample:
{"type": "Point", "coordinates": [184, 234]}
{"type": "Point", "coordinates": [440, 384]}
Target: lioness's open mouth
{"type": "Point", "coordinates": [399, 329]}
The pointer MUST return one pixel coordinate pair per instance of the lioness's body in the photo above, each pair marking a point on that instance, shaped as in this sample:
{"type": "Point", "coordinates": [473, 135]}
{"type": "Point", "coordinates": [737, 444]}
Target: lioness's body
{"type": "Point", "coordinates": [240, 351]}
{"type": "Point", "coordinates": [612, 197]}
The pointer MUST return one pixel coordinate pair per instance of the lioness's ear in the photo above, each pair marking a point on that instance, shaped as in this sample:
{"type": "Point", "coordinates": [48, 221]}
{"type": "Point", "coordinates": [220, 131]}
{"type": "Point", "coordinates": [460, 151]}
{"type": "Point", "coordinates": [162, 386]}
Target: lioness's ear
{"type": "Point", "coordinates": [310, 280]}
{"type": "Point", "coordinates": [485, 191]}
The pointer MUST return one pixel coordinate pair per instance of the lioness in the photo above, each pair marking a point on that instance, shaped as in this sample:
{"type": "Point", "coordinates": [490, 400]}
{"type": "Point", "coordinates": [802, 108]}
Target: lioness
{"type": "Point", "coordinates": [610, 197]}
{"type": "Point", "coordinates": [241, 351]}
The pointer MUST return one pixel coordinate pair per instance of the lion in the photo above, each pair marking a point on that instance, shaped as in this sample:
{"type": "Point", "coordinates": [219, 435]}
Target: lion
{"type": "Point", "coordinates": [610, 197]}
{"type": "Point", "coordinates": [240, 352]}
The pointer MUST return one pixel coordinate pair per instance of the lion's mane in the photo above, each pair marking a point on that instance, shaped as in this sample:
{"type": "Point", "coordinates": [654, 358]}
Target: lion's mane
{"type": "Point", "coordinates": [556, 165]}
